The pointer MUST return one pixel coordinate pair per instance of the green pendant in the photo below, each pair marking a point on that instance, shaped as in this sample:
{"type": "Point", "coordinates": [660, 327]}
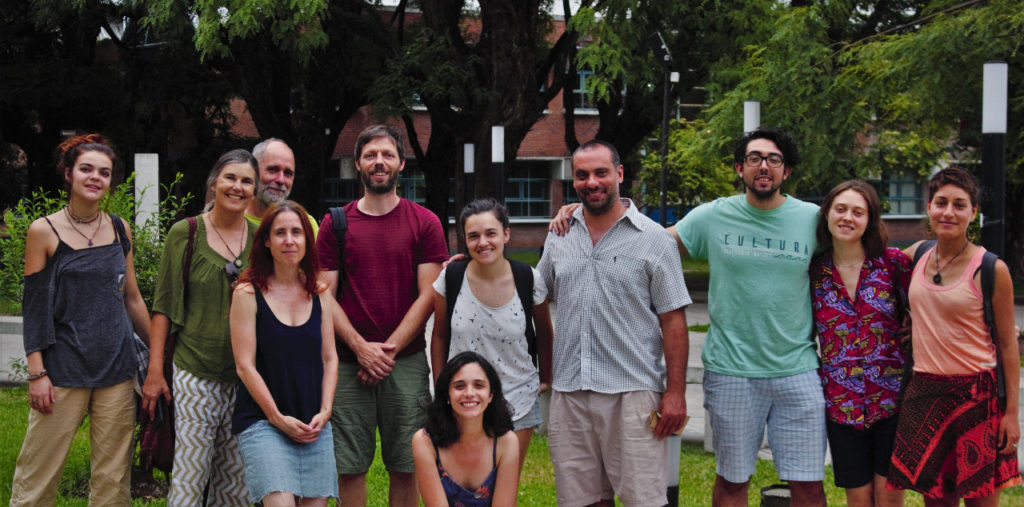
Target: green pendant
{"type": "Point", "coordinates": [238, 262]}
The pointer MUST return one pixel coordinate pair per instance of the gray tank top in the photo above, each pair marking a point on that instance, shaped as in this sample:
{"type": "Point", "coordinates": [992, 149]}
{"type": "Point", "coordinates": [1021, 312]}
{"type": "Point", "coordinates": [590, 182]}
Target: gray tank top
{"type": "Point", "coordinates": [74, 313]}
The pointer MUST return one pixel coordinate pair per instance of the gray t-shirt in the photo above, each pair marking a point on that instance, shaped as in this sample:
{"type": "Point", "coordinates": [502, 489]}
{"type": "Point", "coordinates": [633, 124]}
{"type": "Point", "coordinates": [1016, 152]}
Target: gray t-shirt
{"type": "Point", "coordinates": [74, 313]}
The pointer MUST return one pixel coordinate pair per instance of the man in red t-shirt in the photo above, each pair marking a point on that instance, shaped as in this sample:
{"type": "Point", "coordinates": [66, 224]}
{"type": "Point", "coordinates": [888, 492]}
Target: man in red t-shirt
{"type": "Point", "coordinates": [393, 253]}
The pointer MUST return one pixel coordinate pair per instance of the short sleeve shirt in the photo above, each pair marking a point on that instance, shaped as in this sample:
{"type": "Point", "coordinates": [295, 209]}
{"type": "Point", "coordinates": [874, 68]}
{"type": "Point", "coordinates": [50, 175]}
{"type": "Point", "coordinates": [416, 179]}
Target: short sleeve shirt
{"type": "Point", "coordinates": [199, 315]}
{"type": "Point", "coordinates": [608, 297]}
{"type": "Point", "coordinates": [759, 294]}
{"type": "Point", "coordinates": [861, 361]}
{"type": "Point", "coordinates": [381, 258]}
{"type": "Point", "coordinates": [499, 335]}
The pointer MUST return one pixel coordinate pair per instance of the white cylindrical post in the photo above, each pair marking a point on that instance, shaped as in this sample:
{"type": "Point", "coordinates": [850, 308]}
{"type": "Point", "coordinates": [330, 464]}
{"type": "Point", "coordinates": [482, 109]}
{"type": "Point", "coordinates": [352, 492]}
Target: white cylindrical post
{"type": "Point", "coordinates": [993, 99]}
{"type": "Point", "coordinates": [497, 143]}
{"type": "Point", "coordinates": [468, 153]}
{"type": "Point", "coordinates": [147, 190]}
{"type": "Point", "coordinates": [751, 115]}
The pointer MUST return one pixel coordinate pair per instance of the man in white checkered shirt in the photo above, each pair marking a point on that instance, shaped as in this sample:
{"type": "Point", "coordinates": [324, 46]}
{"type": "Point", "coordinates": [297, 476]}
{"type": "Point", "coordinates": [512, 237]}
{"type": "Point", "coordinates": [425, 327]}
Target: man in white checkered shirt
{"type": "Point", "coordinates": [621, 343]}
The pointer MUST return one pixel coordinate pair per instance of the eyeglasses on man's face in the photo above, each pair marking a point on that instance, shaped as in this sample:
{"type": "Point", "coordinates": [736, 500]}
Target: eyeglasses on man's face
{"type": "Point", "coordinates": [754, 159]}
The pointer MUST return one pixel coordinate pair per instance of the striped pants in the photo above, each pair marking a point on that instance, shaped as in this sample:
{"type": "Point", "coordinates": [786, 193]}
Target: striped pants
{"type": "Point", "coordinates": [205, 451]}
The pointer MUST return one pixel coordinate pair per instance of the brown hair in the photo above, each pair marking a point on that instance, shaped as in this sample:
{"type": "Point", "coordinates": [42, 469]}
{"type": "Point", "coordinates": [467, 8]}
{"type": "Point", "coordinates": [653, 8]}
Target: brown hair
{"type": "Point", "coordinates": [875, 237]}
{"type": "Point", "coordinates": [261, 263]}
{"type": "Point", "coordinates": [957, 177]}
{"type": "Point", "coordinates": [377, 131]}
{"type": "Point", "coordinates": [67, 154]}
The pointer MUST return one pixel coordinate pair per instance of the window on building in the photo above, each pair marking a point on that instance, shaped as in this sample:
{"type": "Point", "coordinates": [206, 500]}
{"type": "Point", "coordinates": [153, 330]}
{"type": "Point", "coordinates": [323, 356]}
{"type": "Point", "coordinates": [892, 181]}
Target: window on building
{"type": "Point", "coordinates": [905, 196]}
{"type": "Point", "coordinates": [582, 98]}
{"type": "Point", "coordinates": [569, 194]}
{"type": "Point", "coordinates": [528, 189]}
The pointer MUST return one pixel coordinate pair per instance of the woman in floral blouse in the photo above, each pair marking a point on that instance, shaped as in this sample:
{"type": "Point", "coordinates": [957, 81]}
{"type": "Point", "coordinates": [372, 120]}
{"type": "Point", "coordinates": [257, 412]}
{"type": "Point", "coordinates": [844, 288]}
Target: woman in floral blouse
{"type": "Point", "coordinates": [858, 292]}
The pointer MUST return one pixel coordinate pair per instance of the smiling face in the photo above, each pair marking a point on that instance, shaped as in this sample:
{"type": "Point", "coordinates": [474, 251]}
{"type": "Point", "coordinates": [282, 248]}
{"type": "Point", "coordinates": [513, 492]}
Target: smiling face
{"type": "Point", "coordinates": [848, 217]}
{"type": "Point", "coordinates": [379, 165]}
{"type": "Point", "coordinates": [596, 179]}
{"type": "Point", "coordinates": [234, 187]}
{"type": "Point", "coordinates": [287, 239]}
{"type": "Point", "coordinates": [485, 237]}
{"type": "Point", "coordinates": [469, 391]}
{"type": "Point", "coordinates": [89, 178]}
{"type": "Point", "coordinates": [277, 173]}
{"type": "Point", "coordinates": [763, 182]}
{"type": "Point", "coordinates": [950, 212]}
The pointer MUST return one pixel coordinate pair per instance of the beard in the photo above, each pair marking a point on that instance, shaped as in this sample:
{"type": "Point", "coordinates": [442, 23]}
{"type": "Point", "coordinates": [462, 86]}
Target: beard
{"type": "Point", "coordinates": [271, 194]}
{"type": "Point", "coordinates": [379, 188]}
{"type": "Point", "coordinates": [601, 207]}
{"type": "Point", "coordinates": [761, 195]}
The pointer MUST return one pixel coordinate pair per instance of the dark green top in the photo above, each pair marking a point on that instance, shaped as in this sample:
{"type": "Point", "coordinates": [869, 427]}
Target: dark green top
{"type": "Point", "coordinates": [200, 320]}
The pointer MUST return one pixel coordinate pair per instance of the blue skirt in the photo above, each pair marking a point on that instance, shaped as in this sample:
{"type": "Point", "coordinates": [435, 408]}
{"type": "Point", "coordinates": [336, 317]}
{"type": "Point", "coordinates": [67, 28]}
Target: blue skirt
{"type": "Point", "coordinates": [274, 462]}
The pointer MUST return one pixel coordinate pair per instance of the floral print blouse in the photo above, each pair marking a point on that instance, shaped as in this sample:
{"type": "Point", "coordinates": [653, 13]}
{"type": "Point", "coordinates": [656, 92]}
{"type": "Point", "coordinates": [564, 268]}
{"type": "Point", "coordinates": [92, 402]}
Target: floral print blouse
{"type": "Point", "coordinates": [861, 360]}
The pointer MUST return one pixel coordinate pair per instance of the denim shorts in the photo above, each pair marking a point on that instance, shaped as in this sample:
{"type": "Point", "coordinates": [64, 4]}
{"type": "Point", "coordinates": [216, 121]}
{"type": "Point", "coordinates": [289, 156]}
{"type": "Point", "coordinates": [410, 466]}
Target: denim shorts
{"type": "Point", "coordinates": [274, 462]}
{"type": "Point", "coordinates": [530, 420]}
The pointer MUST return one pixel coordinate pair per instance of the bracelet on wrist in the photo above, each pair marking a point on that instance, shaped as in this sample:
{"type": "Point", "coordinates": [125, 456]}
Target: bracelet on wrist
{"type": "Point", "coordinates": [36, 376]}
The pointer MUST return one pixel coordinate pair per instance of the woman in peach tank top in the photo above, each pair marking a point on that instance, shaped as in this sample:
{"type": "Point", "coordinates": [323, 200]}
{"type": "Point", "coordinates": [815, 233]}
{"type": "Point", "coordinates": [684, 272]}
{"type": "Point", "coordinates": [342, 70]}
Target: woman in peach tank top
{"type": "Point", "coordinates": [955, 437]}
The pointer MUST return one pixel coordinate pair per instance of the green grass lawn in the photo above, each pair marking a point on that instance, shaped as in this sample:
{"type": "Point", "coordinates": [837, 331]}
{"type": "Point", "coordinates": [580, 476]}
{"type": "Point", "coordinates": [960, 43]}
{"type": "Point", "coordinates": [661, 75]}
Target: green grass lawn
{"type": "Point", "coordinates": [536, 488]}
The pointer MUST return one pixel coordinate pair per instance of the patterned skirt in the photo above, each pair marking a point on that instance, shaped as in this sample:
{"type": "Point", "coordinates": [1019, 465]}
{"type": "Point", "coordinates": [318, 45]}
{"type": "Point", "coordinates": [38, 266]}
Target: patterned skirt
{"type": "Point", "coordinates": [947, 438]}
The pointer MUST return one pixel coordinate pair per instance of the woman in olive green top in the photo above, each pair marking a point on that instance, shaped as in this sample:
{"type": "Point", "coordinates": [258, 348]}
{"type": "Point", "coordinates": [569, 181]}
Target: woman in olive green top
{"type": "Point", "coordinates": [204, 370]}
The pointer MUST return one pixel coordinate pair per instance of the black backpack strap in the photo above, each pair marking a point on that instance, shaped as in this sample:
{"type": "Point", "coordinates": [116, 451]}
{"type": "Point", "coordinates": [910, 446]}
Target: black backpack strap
{"type": "Point", "coordinates": [122, 236]}
{"type": "Point", "coordinates": [921, 249]}
{"type": "Point", "coordinates": [339, 225]}
{"type": "Point", "coordinates": [453, 275]}
{"type": "Point", "coordinates": [988, 285]}
{"type": "Point", "coordinates": [522, 273]}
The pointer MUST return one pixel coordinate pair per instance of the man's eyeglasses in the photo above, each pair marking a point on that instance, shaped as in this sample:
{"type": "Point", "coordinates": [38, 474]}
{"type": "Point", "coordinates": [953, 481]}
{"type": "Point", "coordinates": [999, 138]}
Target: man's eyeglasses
{"type": "Point", "coordinates": [754, 159]}
{"type": "Point", "coordinates": [231, 270]}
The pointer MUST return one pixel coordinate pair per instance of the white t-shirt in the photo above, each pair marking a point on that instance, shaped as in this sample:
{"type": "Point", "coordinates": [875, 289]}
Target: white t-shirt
{"type": "Point", "coordinates": [499, 335]}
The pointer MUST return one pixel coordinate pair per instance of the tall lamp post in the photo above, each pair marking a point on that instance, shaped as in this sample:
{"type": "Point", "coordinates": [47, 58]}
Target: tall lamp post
{"type": "Point", "coordinates": [665, 59]}
{"type": "Point", "coordinates": [993, 157]}
{"type": "Point", "coordinates": [498, 162]}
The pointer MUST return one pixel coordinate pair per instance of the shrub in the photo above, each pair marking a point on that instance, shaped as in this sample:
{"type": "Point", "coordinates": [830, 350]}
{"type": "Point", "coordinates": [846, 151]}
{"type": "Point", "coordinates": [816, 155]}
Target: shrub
{"type": "Point", "coordinates": [147, 239]}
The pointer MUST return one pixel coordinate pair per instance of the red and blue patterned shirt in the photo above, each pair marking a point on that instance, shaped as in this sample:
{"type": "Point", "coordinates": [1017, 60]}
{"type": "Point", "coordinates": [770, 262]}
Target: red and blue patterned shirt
{"type": "Point", "coordinates": [861, 360]}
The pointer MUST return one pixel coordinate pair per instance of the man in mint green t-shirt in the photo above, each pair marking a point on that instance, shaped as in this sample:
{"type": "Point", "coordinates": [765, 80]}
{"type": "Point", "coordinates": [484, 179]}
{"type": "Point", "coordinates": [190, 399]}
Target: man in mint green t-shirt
{"type": "Point", "coordinates": [759, 358]}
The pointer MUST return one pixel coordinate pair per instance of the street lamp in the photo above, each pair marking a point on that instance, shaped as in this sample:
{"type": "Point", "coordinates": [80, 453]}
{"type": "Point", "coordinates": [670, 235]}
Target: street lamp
{"type": "Point", "coordinates": [665, 59]}
{"type": "Point", "coordinates": [993, 156]}
{"type": "Point", "coordinates": [498, 162]}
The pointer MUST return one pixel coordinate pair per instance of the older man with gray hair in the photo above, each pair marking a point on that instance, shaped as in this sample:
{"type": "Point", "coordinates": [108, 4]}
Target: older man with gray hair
{"type": "Point", "coordinates": [277, 174]}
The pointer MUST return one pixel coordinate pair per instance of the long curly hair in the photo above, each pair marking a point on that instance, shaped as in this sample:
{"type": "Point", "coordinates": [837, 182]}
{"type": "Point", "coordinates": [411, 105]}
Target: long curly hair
{"type": "Point", "coordinates": [261, 263]}
{"type": "Point", "coordinates": [441, 424]}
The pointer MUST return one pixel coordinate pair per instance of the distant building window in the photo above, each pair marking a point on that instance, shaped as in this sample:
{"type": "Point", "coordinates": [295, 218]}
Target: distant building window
{"type": "Point", "coordinates": [528, 190]}
{"type": "Point", "coordinates": [569, 194]}
{"type": "Point", "coordinates": [905, 196]}
{"type": "Point", "coordinates": [582, 98]}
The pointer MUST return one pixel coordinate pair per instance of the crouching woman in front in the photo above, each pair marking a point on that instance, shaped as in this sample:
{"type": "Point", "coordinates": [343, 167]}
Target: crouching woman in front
{"type": "Point", "coordinates": [466, 454]}
{"type": "Point", "coordinates": [283, 343]}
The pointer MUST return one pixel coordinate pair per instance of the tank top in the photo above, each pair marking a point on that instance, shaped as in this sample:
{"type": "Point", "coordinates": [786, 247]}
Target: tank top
{"type": "Point", "coordinates": [74, 314]}
{"type": "Point", "coordinates": [949, 332]}
{"type": "Point", "coordinates": [460, 496]}
{"type": "Point", "coordinates": [289, 360]}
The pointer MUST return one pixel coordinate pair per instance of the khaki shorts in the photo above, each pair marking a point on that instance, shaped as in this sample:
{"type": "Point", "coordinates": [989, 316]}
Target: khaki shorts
{"type": "Point", "coordinates": [395, 405]}
{"type": "Point", "coordinates": [602, 446]}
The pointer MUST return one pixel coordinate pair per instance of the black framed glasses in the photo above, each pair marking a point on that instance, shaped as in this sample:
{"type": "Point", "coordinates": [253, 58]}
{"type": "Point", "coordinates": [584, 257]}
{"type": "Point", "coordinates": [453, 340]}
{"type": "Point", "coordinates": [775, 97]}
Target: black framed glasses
{"type": "Point", "coordinates": [231, 270]}
{"type": "Point", "coordinates": [774, 160]}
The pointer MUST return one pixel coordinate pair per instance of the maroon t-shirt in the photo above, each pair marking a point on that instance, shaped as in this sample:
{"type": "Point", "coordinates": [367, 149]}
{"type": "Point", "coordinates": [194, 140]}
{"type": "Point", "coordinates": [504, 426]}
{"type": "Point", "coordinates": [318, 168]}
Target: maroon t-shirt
{"type": "Point", "coordinates": [382, 254]}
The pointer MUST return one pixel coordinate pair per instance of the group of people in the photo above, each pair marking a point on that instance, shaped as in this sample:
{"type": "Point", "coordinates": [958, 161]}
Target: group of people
{"type": "Point", "coordinates": [295, 344]}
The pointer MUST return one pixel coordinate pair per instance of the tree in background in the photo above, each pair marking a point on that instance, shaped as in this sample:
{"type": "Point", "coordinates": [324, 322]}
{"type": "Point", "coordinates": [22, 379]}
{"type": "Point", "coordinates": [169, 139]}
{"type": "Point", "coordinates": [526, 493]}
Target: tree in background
{"type": "Point", "coordinates": [90, 66]}
{"type": "Point", "coordinates": [892, 98]}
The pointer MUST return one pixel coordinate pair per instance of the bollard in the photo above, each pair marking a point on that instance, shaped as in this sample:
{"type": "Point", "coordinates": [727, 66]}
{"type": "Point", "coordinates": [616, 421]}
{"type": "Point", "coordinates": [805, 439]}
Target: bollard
{"type": "Point", "coordinates": [776, 495]}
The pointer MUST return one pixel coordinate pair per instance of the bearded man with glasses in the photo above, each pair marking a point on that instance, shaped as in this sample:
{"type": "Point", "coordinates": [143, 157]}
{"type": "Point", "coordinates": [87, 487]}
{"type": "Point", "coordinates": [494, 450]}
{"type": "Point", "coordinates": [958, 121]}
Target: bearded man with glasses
{"type": "Point", "coordinates": [760, 362]}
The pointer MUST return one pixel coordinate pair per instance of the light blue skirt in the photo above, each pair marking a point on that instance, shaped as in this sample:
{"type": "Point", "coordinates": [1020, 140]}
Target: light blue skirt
{"type": "Point", "coordinates": [274, 462]}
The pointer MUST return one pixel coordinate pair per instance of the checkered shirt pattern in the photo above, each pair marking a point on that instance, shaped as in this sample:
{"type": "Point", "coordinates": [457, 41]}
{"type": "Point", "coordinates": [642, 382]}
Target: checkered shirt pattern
{"type": "Point", "coordinates": [608, 297]}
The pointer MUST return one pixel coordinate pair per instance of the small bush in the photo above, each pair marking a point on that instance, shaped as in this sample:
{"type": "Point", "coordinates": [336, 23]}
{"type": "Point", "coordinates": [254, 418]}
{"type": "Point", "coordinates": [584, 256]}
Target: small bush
{"type": "Point", "coordinates": [147, 239]}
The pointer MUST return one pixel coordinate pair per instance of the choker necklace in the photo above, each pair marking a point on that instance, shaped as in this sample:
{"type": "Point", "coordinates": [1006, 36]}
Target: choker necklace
{"type": "Point", "coordinates": [79, 220]}
{"type": "Point", "coordinates": [72, 219]}
{"type": "Point", "coordinates": [938, 276]}
{"type": "Point", "coordinates": [237, 261]}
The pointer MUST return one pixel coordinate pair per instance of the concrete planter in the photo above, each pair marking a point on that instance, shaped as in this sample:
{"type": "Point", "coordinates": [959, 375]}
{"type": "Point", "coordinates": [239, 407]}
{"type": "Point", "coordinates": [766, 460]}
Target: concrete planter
{"type": "Point", "coordinates": [12, 346]}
